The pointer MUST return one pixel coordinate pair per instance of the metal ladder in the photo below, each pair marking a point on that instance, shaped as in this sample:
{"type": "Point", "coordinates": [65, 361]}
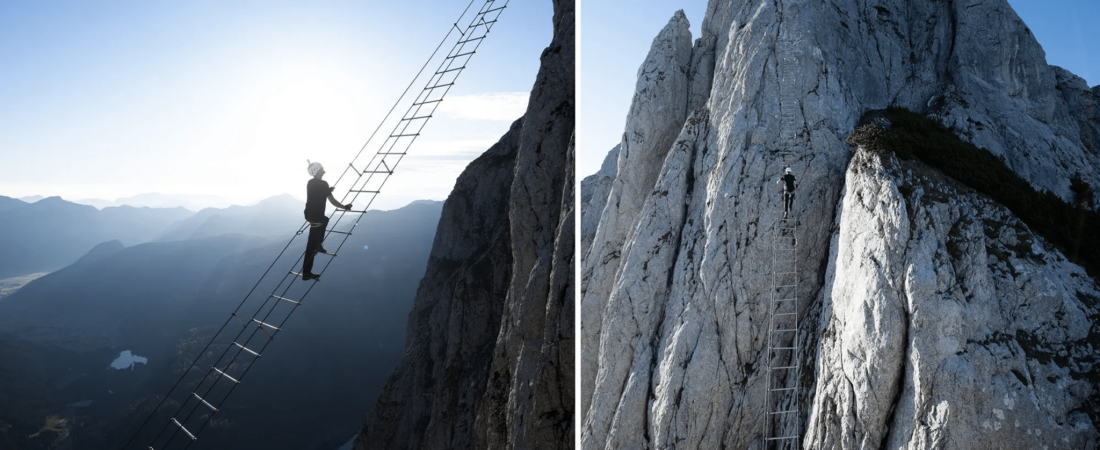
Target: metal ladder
{"type": "Point", "coordinates": [223, 363]}
{"type": "Point", "coordinates": [782, 414]}
{"type": "Point", "coordinates": [792, 126]}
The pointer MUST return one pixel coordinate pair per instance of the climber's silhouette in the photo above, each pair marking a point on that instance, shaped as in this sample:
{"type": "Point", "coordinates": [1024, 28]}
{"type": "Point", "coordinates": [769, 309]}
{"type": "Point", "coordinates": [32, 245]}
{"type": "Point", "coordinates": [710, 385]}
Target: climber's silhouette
{"type": "Point", "coordinates": [317, 190]}
{"type": "Point", "coordinates": [788, 182]}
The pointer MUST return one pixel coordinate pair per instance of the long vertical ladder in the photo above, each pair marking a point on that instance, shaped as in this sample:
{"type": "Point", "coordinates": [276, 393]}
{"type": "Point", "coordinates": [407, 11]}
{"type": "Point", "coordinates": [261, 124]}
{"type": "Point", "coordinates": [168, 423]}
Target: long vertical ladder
{"type": "Point", "coordinates": [197, 400]}
{"type": "Point", "coordinates": [782, 416]}
{"type": "Point", "coordinates": [792, 126]}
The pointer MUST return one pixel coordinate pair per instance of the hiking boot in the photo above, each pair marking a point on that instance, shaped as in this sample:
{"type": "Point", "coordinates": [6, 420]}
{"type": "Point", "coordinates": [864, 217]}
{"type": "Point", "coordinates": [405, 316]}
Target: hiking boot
{"type": "Point", "coordinates": [310, 276]}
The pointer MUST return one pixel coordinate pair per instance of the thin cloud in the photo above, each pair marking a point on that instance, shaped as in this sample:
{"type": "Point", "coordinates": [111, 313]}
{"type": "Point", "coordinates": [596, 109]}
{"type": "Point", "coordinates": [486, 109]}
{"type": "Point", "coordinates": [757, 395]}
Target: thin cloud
{"type": "Point", "coordinates": [507, 106]}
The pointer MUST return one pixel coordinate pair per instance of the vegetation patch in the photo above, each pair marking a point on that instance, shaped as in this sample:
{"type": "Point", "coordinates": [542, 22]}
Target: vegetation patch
{"type": "Point", "coordinates": [906, 190]}
{"type": "Point", "coordinates": [910, 135]}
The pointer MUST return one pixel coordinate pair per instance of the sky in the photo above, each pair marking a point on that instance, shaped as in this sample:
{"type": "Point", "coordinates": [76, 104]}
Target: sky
{"type": "Point", "coordinates": [114, 99]}
{"type": "Point", "coordinates": [615, 41]}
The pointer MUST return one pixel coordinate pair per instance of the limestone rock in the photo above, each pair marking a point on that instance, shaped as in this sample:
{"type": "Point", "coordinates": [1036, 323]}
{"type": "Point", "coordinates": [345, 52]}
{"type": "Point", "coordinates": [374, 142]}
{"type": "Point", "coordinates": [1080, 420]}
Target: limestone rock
{"type": "Point", "coordinates": [953, 326]}
{"type": "Point", "coordinates": [594, 191]}
{"type": "Point", "coordinates": [489, 354]}
{"type": "Point", "coordinates": [433, 395]}
{"type": "Point", "coordinates": [657, 112]}
{"type": "Point", "coordinates": [676, 277]}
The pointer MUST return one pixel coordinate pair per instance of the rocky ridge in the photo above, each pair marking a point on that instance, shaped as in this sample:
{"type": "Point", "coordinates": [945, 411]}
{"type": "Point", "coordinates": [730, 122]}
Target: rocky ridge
{"type": "Point", "coordinates": [489, 354]}
{"type": "Point", "coordinates": [675, 278]}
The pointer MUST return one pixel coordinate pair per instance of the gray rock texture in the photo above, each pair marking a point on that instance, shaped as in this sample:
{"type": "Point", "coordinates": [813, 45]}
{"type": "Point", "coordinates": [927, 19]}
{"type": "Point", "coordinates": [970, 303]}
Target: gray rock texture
{"type": "Point", "coordinates": [594, 190]}
{"type": "Point", "coordinates": [675, 280]}
{"type": "Point", "coordinates": [950, 325]}
{"type": "Point", "coordinates": [489, 355]}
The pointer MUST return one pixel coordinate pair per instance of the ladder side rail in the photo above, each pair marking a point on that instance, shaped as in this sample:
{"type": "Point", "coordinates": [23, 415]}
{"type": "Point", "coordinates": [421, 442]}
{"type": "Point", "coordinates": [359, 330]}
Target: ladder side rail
{"type": "Point", "coordinates": [207, 393]}
{"type": "Point", "coordinates": [412, 82]}
{"type": "Point", "coordinates": [414, 109]}
{"type": "Point", "coordinates": [231, 389]}
{"type": "Point", "coordinates": [768, 354]}
{"type": "Point", "coordinates": [201, 352]}
{"type": "Point", "coordinates": [354, 196]}
{"type": "Point", "coordinates": [201, 381]}
{"type": "Point", "coordinates": [247, 296]}
{"type": "Point", "coordinates": [796, 361]}
{"type": "Point", "coordinates": [343, 174]}
{"type": "Point", "coordinates": [233, 359]}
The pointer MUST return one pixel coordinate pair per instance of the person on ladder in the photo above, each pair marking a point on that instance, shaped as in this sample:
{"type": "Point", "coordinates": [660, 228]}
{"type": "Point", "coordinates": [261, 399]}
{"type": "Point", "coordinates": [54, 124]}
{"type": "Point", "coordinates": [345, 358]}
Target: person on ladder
{"type": "Point", "coordinates": [317, 190]}
{"type": "Point", "coordinates": [788, 182]}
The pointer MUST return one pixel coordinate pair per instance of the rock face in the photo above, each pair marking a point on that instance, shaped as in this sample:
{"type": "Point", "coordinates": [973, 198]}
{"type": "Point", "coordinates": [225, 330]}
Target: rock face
{"type": "Point", "coordinates": [951, 325]}
{"type": "Point", "coordinates": [594, 190]}
{"type": "Point", "coordinates": [489, 354]}
{"type": "Point", "coordinates": [676, 278]}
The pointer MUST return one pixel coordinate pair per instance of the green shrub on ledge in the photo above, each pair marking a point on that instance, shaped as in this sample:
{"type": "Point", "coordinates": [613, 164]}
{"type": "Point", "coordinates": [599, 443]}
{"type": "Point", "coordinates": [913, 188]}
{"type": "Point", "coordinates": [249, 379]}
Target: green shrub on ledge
{"type": "Point", "coordinates": [1073, 228]}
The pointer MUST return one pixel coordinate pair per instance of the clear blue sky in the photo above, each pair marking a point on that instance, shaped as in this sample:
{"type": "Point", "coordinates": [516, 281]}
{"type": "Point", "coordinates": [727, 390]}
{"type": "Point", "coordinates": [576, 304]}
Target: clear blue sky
{"type": "Point", "coordinates": [111, 99]}
{"type": "Point", "coordinates": [615, 40]}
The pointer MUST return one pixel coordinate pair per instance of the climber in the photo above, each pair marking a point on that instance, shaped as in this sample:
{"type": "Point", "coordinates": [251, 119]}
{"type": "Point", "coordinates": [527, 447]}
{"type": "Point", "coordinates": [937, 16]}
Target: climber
{"type": "Point", "coordinates": [316, 192]}
{"type": "Point", "coordinates": [788, 182]}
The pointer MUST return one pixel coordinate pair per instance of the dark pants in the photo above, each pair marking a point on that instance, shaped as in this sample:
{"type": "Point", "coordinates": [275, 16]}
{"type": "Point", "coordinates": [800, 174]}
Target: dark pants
{"type": "Point", "coordinates": [313, 243]}
{"type": "Point", "coordinates": [788, 201]}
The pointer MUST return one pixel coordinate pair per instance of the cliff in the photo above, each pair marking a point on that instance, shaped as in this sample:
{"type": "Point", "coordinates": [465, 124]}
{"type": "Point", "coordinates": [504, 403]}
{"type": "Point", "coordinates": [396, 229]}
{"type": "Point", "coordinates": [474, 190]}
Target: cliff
{"type": "Point", "coordinates": [489, 354]}
{"type": "Point", "coordinates": [933, 321]}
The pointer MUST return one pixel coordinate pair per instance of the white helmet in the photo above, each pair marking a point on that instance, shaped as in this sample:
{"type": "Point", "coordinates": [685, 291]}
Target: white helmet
{"type": "Point", "coordinates": [315, 168]}
{"type": "Point", "coordinates": [788, 170]}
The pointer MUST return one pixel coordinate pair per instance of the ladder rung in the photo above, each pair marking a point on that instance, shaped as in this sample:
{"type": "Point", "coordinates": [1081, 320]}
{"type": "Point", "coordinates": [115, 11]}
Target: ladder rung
{"type": "Point", "coordinates": [783, 367]}
{"type": "Point", "coordinates": [208, 405]}
{"type": "Point", "coordinates": [784, 330]}
{"type": "Point", "coordinates": [470, 40]}
{"type": "Point", "coordinates": [368, 192]}
{"type": "Point", "coordinates": [329, 254]}
{"type": "Point", "coordinates": [494, 9]}
{"type": "Point", "coordinates": [461, 55]}
{"type": "Point", "coordinates": [341, 232]}
{"type": "Point", "coordinates": [429, 116]}
{"type": "Point", "coordinates": [449, 70]}
{"type": "Point", "coordinates": [378, 171]}
{"type": "Point", "coordinates": [783, 348]}
{"type": "Point", "coordinates": [353, 211]}
{"type": "Point", "coordinates": [266, 325]}
{"type": "Point", "coordinates": [178, 424]}
{"type": "Point", "coordinates": [783, 389]}
{"type": "Point", "coordinates": [287, 299]}
{"type": "Point", "coordinates": [483, 22]}
{"type": "Point", "coordinates": [226, 375]}
{"type": "Point", "coordinates": [783, 412]}
{"type": "Point", "coordinates": [403, 135]}
{"type": "Point", "coordinates": [392, 153]}
{"type": "Point", "coordinates": [428, 101]}
{"type": "Point", "coordinates": [782, 438]}
{"type": "Point", "coordinates": [438, 86]}
{"type": "Point", "coordinates": [245, 349]}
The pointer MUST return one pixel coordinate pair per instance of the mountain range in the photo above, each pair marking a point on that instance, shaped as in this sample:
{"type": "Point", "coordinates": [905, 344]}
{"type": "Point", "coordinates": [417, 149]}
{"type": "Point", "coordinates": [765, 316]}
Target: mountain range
{"type": "Point", "coordinates": [161, 300]}
{"type": "Point", "coordinates": [52, 233]}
